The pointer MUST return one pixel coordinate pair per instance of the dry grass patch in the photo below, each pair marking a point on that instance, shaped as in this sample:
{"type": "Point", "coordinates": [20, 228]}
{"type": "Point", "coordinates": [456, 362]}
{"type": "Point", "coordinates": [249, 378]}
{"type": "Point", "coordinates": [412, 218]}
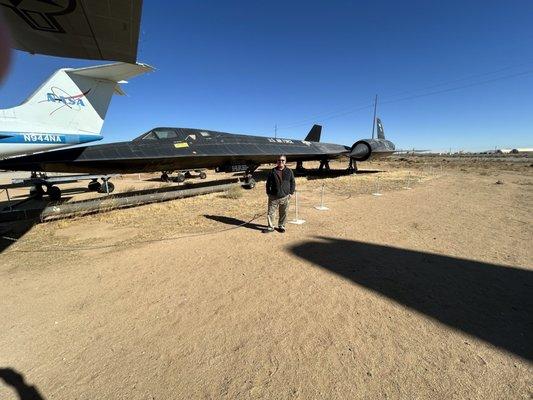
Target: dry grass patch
{"type": "Point", "coordinates": [234, 192]}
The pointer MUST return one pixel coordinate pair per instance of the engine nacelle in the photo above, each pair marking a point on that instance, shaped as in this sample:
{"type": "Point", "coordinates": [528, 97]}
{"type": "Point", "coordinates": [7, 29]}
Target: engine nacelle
{"type": "Point", "coordinates": [365, 149]}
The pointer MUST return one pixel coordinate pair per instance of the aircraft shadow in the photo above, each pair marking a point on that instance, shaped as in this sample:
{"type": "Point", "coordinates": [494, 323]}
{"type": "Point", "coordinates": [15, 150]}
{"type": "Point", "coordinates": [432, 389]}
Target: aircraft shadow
{"type": "Point", "coordinates": [16, 381]}
{"type": "Point", "coordinates": [311, 174]}
{"type": "Point", "coordinates": [24, 214]}
{"type": "Point", "coordinates": [16, 221]}
{"type": "Point", "coordinates": [236, 222]}
{"type": "Point", "coordinates": [335, 173]}
{"type": "Point", "coordinates": [489, 301]}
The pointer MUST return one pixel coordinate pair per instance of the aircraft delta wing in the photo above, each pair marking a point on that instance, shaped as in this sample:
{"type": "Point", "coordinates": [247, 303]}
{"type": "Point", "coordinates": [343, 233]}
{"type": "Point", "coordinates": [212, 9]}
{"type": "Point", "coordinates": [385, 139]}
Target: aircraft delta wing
{"type": "Point", "coordinates": [174, 149]}
{"type": "Point", "coordinates": [88, 29]}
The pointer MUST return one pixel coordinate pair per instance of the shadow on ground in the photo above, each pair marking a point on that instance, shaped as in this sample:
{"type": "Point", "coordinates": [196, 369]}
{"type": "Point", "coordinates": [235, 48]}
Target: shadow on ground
{"type": "Point", "coordinates": [236, 222]}
{"type": "Point", "coordinates": [18, 217]}
{"type": "Point", "coordinates": [491, 302]}
{"type": "Point", "coordinates": [16, 381]}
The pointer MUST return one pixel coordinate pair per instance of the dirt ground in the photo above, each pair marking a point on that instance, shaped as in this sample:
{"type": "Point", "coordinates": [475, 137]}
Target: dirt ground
{"type": "Point", "coordinates": [418, 293]}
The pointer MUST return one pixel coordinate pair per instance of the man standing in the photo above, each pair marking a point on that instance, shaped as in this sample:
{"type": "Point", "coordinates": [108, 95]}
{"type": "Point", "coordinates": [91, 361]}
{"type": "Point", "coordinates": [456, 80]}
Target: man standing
{"type": "Point", "coordinates": [280, 187]}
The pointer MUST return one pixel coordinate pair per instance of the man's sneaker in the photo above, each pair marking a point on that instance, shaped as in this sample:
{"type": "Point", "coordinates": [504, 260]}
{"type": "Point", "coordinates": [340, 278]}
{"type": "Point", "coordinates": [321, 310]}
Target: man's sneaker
{"type": "Point", "coordinates": [268, 230]}
{"type": "Point", "coordinates": [281, 229]}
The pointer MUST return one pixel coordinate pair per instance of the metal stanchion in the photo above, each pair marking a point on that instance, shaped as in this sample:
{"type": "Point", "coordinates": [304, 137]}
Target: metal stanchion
{"type": "Point", "coordinates": [296, 220]}
{"type": "Point", "coordinates": [408, 186]}
{"type": "Point", "coordinates": [322, 207]}
{"type": "Point", "coordinates": [377, 193]}
{"type": "Point", "coordinates": [8, 198]}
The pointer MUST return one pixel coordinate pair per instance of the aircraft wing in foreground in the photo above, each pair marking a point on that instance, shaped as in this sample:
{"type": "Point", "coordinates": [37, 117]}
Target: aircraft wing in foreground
{"type": "Point", "coordinates": [88, 29]}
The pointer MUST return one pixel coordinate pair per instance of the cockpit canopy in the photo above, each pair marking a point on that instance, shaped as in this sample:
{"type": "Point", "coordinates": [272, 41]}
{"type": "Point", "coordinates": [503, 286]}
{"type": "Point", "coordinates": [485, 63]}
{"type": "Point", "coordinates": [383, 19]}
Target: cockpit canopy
{"type": "Point", "coordinates": [177, 134]}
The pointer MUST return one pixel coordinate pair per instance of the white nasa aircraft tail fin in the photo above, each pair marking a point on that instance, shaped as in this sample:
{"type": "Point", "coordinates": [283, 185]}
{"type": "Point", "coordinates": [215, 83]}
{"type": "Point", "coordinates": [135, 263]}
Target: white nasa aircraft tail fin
{"type": "Point", "coordinates": [71, 100]}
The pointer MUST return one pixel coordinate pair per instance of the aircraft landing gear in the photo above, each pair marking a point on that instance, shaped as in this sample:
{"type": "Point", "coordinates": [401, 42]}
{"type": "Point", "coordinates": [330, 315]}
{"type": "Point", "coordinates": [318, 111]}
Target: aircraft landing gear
{"type": "Point", "coordinates": [54, 193]}
{"type": "Point", "coordinates": [37, 191]}
{"type": "Point", "coordinates": [352, 167]}
{"type": "Point", "coordinates": [106, 187]}
{"type": "Point", "coordinates": [300, 170]}
{"type": "Point", "coordinates": [249, 181]}
{"type": "Point", "coordinates": [180, 177]}
{"type": "Point", "coordinates": [324, 165]}
{"type": "Point", "coordinates": [94, 186]}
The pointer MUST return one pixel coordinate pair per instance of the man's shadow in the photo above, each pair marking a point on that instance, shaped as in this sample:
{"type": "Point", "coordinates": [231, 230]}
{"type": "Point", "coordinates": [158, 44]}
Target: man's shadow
{"type": "Point", "coordinates": [236, 222]}
{"type": "Point", "coordinates": [16, 380]}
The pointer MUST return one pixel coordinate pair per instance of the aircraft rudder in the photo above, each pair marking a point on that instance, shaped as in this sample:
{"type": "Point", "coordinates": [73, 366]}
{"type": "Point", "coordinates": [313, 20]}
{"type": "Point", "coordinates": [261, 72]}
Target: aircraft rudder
{"type": "Point", "coordinates": [381, 130]}
{"type": "Point", "coordinates": [314, 134]}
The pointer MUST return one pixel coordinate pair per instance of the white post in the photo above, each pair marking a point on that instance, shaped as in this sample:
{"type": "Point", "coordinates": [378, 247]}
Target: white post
{"type": "Point", "coordinates": [408, 187]}
{"type": "Point", "coordinates": [321, 207]}
{"type": "Point", "coordinates": [377, 193]}
{"type": "Point", "coordinates": [296, 221]}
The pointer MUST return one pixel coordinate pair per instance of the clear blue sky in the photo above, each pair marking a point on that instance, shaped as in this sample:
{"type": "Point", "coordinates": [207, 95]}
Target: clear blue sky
{"type": "Point", "coordinates": [243, 66]}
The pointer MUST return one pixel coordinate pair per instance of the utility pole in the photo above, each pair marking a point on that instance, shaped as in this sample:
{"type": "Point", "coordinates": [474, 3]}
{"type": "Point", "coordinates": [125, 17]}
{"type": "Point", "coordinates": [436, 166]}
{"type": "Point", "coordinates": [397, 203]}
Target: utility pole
{"type": "Point", "coordinates": [276, 131]}
{"type": "Point", "coordinates": [374, 120]}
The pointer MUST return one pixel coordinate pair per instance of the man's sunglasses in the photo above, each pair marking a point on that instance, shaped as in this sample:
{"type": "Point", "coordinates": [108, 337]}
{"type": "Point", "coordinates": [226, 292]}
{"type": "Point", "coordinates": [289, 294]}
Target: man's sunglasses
{"type": "Point", "coordinates": [281, 160]}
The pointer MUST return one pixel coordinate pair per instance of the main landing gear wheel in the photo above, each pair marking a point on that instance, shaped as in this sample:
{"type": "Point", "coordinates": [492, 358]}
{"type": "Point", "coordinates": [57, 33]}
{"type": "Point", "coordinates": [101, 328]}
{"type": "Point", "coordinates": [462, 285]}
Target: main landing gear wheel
{"type": "Point", "coordinates": [37, 191]}
{"type": "Point", "coordinates": [179, 178]}
{"type": "Point", "coordinates": [164, 177]}
{"type": "Point", "coordinates": [188, 174]}
{"type": "Point", "coordinates": [352, 167]}
{"type": "Point", "coordinates": [249, 183]}
{"type": "Point", "coordinates": [94, 186]}
{"type": "Point", "coordinates": [54, 193]}
{"type": "Point", "coordinates": [110, 188]}
{"type": "Point", "coordinates": [203, 175]}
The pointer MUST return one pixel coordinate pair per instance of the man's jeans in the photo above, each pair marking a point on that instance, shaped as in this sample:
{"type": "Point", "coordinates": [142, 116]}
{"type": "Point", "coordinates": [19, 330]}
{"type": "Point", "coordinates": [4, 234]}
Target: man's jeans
{"type": "Point", "coordinates": [283, 205]}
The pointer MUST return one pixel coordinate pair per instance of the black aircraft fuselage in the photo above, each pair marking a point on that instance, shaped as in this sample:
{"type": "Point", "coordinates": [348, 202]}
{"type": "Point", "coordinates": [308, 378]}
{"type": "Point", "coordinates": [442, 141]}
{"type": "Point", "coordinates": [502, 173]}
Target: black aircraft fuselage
{"type": "Point", "coordinates": [173, 149]}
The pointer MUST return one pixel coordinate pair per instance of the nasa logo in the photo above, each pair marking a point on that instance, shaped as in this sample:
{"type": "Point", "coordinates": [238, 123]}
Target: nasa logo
{"type": "Point", "coordinates": [72, 101]}
{"type": "Point", "coordinates": [58, 95]}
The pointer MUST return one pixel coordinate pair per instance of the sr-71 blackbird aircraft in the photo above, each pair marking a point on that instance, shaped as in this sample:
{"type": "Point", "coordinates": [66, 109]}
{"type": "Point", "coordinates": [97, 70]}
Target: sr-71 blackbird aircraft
{"type": "Point", "coordinates": [179, 149]}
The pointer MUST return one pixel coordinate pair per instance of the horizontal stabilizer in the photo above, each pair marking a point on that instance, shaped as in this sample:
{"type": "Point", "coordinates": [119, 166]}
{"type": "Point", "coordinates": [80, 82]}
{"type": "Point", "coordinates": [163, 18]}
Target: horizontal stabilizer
{"type": "Point", "coordinates": [314, 134]}
{"type": "Point", "coordinates": [117, 72]}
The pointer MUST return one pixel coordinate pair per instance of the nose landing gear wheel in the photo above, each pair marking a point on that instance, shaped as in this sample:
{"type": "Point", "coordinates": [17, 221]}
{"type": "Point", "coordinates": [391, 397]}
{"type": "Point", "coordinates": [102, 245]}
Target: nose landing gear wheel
{"type": "Point", "coordinates": [164, 177]}
{"type": "Point", "coordinates": [203, 175]}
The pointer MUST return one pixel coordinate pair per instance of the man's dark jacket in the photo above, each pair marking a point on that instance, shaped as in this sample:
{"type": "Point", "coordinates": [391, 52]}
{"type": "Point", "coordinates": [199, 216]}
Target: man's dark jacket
{"type": "Point", "coordinates": [277, 187]}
